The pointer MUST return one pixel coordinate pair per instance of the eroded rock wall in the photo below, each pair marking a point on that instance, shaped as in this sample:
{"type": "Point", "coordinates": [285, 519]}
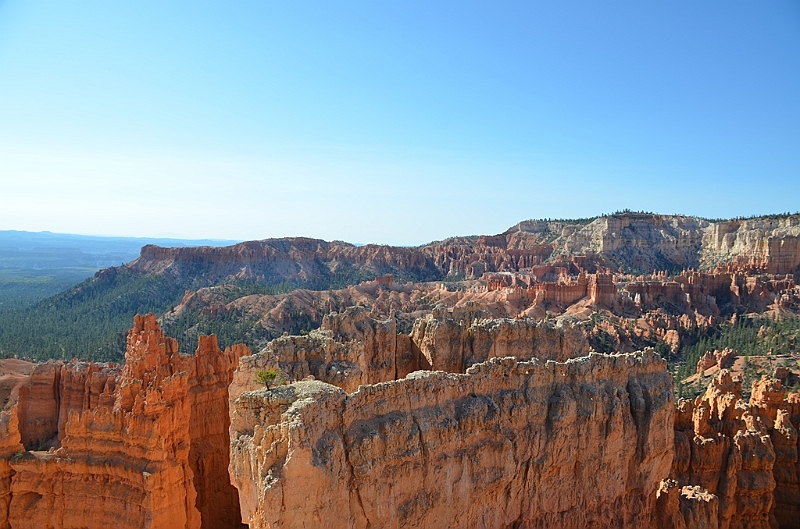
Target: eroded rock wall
{"type": "Point", "coordinates": [145, 445]}
{"type": "Point", "coordinates": [745, 453]}
{"type": "Point", "coordinates": [451, 344]}
{"type": "Point", "coordinates": [350, 349]}
{"type": "Point", "coordinates": [771, 244]}
{"type": "Point", "coordinates": [122, 465]}
{"type": "Point", "coordinates": [507, 444]}
{"type": "Point", "coordinates": [10, 444]}
{"type": "Point", "coordinates": [210, 373]}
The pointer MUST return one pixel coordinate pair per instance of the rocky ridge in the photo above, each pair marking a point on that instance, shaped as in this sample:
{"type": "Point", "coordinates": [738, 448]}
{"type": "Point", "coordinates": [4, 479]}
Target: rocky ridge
{"type": "Point", "coordinates": [632, 242]}
{"type": "Point", "coordinates": [526, 438]}
{"type": "Point", "coordinates": [524, 432]}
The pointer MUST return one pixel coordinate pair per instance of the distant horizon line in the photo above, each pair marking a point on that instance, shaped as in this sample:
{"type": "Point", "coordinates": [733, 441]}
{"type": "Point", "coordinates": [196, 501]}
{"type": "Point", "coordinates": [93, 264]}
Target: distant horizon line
{"type": "Point", "coordinates": [217, 241]}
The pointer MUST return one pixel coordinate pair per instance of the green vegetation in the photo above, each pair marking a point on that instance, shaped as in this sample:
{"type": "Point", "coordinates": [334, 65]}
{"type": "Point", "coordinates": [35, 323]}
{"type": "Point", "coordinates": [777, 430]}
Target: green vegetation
{"type": "Point", "coordinates": [270, 377]}
{"type": "Point", "coordinates": [21, 287]}
{"type": "Point", "coordinates": [757, 336]}
{"type": "Point", "coordinates": [231, 326]}
{"type": "Point", "coordinates": [89, 320]}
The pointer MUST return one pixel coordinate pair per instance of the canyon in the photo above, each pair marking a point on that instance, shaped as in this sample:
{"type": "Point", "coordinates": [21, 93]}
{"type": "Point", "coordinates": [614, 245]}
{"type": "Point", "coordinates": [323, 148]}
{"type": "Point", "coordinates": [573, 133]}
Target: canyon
{"type": "Point", "coordinates": [521, 380]}
{"type": "Point", "coordinates": [646, 270]}
{"type": "Point", "coordinates": [624, 266]}
{"type": "Point", "coordinates": [520, 425]}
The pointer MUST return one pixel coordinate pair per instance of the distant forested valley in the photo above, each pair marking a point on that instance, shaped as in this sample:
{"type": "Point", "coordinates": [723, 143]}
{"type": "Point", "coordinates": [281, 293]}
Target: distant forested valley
{"type": "Point", "coordinates": [45, 276]}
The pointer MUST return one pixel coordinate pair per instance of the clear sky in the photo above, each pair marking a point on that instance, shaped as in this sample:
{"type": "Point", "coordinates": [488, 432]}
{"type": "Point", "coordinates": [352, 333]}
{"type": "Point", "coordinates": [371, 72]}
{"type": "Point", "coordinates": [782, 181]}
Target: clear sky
{"type": "Point", "coordinates": [391, 122]}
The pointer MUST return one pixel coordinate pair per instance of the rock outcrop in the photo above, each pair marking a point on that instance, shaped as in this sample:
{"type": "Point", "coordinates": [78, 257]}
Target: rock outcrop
{"type": "Point", "coordinates": [210, 373]}
{"type": "Point", "coordinates": [350, 349]}
{"type": "Point", "coordinates": [745, 453]}
{"type": "Point", "coordinates": [10, 446]}
{"type": "Point", "coordinates": [720, 359]}
{"type": "Point", "coordinates": [688, 507]}
{"type": "Point", "coordinates": [453, 344]}
{"type": "Point", "coordinates": [507, 444]}
{"type": "Point", "coordinates": [769, 244]}
{"type": "Point", "coordinates": [627, 241]}
{"type": "Point", "coordinates": [139, 446]}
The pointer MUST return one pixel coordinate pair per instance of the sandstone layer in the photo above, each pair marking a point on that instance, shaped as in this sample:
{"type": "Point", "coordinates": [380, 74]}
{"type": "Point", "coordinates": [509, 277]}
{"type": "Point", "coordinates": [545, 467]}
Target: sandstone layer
{"type": "Point", "coordinates": [745, 453]}
{"type": "Point", "coordinates": [507, 444]}
{"type": "Point", "coordinates": [627, 242]}
{"type": "Point", "coordinates": [453, 344]}
{"type": "Point", "coordinates": [145, 445]}
{"type": "Point", "coordinates": [352, 348]}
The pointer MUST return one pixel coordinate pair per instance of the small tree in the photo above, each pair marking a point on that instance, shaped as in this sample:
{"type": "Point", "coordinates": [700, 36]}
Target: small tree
{"type": "Point", "coordinates": [270, 377]}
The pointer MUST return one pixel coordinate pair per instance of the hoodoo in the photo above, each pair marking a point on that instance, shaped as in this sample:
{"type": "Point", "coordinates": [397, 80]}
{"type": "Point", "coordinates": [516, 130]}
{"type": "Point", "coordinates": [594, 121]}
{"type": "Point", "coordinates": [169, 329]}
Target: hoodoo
{"type": "Point", "coordinates": [516, 381]}
{"type": "Point", "coordinates": [145, 445]}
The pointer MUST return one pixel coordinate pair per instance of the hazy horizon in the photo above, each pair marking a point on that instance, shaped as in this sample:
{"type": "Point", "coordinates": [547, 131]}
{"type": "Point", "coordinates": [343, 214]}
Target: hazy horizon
{"type": "Point", "coordinates": [357, 243]}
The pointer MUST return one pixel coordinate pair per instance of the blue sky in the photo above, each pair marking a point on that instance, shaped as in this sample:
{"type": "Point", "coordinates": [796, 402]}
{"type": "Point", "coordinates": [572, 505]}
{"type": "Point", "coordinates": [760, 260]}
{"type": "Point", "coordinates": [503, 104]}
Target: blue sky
{"type": "Point", "coordinates": [391, 122]}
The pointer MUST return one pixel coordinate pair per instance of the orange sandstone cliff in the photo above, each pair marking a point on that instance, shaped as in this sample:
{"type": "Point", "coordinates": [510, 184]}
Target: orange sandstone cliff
{"type": "Point", "coordinates": [507, 444]}
{"type": "Point", "coordinates": [745, 453]}
{"type": "Point", "coordinates": [141, 446]}
{"type": "Point", "coordinates": [524, 431]}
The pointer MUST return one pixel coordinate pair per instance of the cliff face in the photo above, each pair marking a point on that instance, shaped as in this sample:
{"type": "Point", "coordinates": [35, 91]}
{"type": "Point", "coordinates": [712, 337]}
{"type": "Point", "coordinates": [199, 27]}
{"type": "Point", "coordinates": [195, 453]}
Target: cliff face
{"type": "Point", "coordinates": [122, 465]}
{"type": "Point", "coordinates": [639, 242]}
{"type": "Point", "coordinates": [295, 260]}
{"type": "Point", "coordinates": [130, 447]}
{"type": "Point", "coordinates": [349, 350]}
{"type": "Point", "coordinates": [525, 438]}
{"type": "Point", "coordinates": [769, 244]}
{"type": "Point", "coordinates": [631, 241]}
{"type": "Point", "coordinates": [745, 453]}
{"type": "Point", "coordinates": [9, 445]}
{"type": "Point", "coordinates": [453, 344]}
{"type": "Point", "coordinates": [647, 242]}
{"type": "Point", "coordinates": [352, 348]}
{"type": "Point", "coordinates": [210, 373]}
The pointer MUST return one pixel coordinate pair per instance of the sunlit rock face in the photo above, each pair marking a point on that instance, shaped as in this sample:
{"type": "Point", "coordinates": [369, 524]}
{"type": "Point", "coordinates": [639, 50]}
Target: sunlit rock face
{"type": "Point", "coordinates": [145, 445]}
{"type": "Point", "coordinates": [745, 453]}
{"type": "Point", "coordinates": [507, 444]}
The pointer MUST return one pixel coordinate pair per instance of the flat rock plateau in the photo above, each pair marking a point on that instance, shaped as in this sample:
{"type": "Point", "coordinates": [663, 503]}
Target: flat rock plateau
{"type": "Point", "coordinates": [530, 379]}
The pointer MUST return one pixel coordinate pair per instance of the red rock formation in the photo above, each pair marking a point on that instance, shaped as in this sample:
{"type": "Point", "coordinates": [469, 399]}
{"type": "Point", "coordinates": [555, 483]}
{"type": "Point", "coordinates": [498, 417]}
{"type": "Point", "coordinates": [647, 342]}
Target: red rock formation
{"type": "Point", "coordinates": [452, 344]}
{"type": "Point", "coordinates": [350, 349]}
{"type": "Point", "coordinates": [746, 453]}
{"type": "Point", "coordinates": [127, 464]}
{"type": "Point", "coordinates": [630, 240]}
{"type": "Point", "coordinates": [210, 373]}
{"type": "Point", "coordinates": [721, 359]}
{"type": "Point", "coordinates": [602, 290]}
{"type": "Point", "coordinates": [685, 507]}
{"type": "Point", "coordinates": [9, 446]}
{"type": "Point", "coordinates": [508, 444]}
{"type": "Point", "coordinates": [139, 446]}
{"type": "Point", "coordinates": [39, 406]}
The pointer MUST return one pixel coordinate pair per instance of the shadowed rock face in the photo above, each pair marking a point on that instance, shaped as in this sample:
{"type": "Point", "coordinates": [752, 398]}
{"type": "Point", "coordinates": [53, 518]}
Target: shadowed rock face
{"type": "Point", "coordinates": [507, 444]}
{"type": "Point", "coordinates": [141, 446]}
